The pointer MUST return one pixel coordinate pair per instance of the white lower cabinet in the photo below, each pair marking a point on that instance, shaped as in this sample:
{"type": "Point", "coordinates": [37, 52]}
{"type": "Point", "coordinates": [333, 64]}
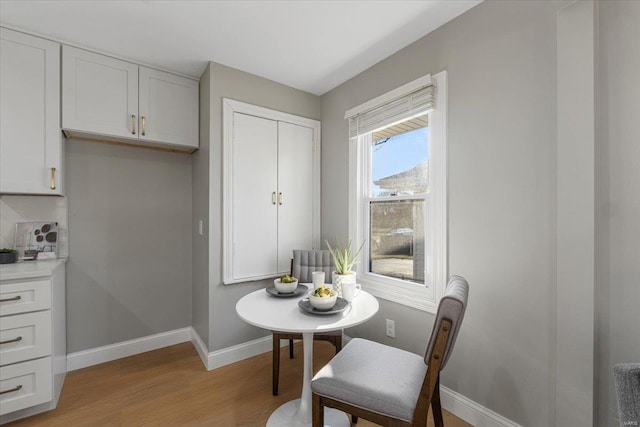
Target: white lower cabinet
{"type": "Point", "coordinates": [33, 356]}
{"type": "Point", "coordinates": [25, 384]}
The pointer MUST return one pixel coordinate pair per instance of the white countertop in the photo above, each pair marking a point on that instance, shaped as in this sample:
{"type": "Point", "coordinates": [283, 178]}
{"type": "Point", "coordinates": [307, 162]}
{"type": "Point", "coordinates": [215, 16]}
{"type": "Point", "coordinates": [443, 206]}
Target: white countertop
{"type": "Point", "coordinates": [28, 269]}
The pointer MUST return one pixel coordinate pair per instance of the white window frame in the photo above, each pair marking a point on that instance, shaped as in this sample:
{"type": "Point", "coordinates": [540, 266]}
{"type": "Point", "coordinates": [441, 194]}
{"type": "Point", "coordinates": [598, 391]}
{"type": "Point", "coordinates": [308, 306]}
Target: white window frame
{"type": "Point", "coordinates": [424, 297]}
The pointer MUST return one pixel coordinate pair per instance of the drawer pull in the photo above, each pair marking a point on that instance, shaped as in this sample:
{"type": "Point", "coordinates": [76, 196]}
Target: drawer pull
{"type": "Point", "coordinates": [10, 341]}
{"type": "Point", "coordinates": [52, 184]}
{"type": "Point", "coordinates": [18, 298]}
{"type": "Point", "coordinates": [11, 390]}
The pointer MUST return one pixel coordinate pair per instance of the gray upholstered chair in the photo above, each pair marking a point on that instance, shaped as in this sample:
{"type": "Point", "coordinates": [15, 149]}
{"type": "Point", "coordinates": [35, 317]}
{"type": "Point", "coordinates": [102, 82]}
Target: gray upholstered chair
{"type": "Point", "coordinates": [389, 386]}
{"type": "Point", "coordinates": [303, 264]}
{"type": "Point", "coordinates": [627, 378]}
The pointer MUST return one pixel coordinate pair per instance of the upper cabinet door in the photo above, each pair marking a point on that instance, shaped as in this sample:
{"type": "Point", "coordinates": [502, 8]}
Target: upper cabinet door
{"type": "Point", "coordinates": [168, 108]}
{"type": "Point", "coordinates": [30, 138]}
{"type": "Point", "coordinates": [99, 94]}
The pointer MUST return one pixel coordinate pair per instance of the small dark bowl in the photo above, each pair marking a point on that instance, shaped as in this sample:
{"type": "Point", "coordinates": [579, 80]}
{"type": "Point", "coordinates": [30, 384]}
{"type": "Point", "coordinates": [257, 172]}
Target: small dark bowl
{"type": "Point", "coordinates": [8, 257]}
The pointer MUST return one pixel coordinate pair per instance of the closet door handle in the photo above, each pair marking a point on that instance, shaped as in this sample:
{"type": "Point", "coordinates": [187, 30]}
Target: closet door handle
{"type": "Point", "coordinates": [133, 124]}
{"type": "Point", "coordinates": [273, 198]}
{"type": "Point", "coordinates": [144, 126]}
{"type": "Point", "coordinates": [52, 184]}
{"type": "Point", "coordinates": [280, 198]}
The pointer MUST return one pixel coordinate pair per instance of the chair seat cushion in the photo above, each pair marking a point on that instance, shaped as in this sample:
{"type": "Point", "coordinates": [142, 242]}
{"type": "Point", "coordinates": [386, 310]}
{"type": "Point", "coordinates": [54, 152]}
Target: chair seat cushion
{"type": "Point", "coordinates": [375, 377]}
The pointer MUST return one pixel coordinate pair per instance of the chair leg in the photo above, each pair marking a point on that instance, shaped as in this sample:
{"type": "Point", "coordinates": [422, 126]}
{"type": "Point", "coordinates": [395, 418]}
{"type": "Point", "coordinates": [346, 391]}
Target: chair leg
{"type": "Point", "coordinates": [317, 411]}
{"type": "Point", "coordinates": [290, 349]}
{"type": "Point", "coordinates": [437, 407]}
{"type": "Point", "coordinates": [275, 364]}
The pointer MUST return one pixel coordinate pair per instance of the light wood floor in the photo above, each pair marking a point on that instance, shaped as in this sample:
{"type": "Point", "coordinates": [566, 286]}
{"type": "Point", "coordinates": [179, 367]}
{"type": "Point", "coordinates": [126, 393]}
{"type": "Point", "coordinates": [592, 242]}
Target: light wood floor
{"type": "Point", "coordinates": [170, 387]}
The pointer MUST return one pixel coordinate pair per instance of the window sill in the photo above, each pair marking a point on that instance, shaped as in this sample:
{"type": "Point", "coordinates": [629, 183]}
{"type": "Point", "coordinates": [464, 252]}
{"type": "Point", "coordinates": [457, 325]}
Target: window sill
{"type": "Point", "coordinates": [415, 296]}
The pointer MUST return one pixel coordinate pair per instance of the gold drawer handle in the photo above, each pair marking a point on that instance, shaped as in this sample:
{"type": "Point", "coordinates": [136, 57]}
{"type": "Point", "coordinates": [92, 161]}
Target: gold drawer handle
{"type": "Point", "coordinates": [11, 390]}
{"type": "Point", "coordinates": [10, 341]}
{"type": "Point", "coordinates": [18, 298]}
{"type": "Point", "coordinates": [53, 179]}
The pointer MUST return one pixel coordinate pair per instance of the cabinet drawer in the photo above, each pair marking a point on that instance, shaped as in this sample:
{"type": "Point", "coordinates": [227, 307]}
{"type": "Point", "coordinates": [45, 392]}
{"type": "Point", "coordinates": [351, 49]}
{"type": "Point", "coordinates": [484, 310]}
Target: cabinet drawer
{"type": "Point", "coordinates": [22, 297]}
{"type": "Point", "coordinates": [25, 336]}
{"type": "Point", "coordinates": [25, 384]}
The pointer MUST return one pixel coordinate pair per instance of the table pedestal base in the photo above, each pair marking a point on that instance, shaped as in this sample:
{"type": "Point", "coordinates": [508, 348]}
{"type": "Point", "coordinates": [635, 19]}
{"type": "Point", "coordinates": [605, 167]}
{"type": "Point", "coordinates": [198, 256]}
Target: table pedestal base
{"type": "Point", "coordinates": [285, 416]}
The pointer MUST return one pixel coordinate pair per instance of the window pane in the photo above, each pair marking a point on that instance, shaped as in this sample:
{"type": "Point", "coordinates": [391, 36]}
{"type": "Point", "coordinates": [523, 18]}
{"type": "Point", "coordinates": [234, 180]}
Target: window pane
{"type": "Point", "coordinates": [397, 239]}
{"type": "Point", "coordinates": [399, 164]}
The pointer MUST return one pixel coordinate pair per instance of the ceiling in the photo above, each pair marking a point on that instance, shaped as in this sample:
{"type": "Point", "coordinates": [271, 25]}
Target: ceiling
{"type": "Point", "coordinates": [310, 45]}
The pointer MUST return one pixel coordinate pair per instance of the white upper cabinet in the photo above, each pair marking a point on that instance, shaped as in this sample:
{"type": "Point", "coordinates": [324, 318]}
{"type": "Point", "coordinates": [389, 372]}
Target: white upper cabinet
{"type": "Point", "coordinates": [168, 108]}
{"type": "Point", "coordinates": [112, 100]}
{"type": "Point", "coordinates": [271, 200]}
{"type": "Point", "coordinates": [30, 138]}
{"type": "Point", "coordinates": [100, 94]}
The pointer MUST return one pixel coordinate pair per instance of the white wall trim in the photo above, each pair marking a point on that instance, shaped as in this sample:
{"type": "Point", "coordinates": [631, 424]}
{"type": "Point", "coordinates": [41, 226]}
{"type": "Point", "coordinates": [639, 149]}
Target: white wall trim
{"type": "Point", "coordinates": [202, 350]}
{"type": "Point", "coordinates": [107, 353]}
{"type": "Point", "coordinates": [236, 353]}
{"type": "Point", "coordinates": [229, 355]}
{"type": "Point", "coordinates": [472, 412]}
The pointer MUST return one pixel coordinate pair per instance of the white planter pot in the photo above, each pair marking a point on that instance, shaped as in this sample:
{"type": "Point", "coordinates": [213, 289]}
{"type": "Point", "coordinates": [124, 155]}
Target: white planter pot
{"type": "Point", "coordinates": [338, 279]}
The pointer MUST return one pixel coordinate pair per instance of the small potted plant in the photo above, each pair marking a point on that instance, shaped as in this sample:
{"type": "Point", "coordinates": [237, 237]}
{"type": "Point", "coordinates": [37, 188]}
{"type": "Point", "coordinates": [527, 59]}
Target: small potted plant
{"type": "Point", "coordinates": [344, 260]}
{"type": "Point", "coordinates": [8, 256]}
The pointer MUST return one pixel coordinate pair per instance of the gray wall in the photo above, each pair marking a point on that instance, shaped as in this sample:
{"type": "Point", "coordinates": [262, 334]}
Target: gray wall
{"type": "Point", "coordinates": [226, 328]}
{"type": "Point", "coordinates": [501, 62]}
{"type": "Point", "coordinates": [618, 197]}
{"type": "Point", "coordinates": [200, 206]}
{"type": "Point", "coordinates": [129, 269]}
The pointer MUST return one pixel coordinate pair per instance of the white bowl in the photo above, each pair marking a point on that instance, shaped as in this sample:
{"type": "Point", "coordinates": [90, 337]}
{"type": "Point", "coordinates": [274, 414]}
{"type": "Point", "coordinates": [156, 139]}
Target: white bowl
{"type": "Point", "coordinates": [285, 288]}
{"type": "Point", "coordinates": [323, 303]}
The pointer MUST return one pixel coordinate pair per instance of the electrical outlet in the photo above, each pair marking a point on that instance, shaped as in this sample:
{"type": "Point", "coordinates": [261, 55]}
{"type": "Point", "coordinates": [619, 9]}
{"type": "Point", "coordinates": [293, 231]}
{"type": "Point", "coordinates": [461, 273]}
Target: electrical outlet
{"type": "Point", "coordinates": [391, 328]}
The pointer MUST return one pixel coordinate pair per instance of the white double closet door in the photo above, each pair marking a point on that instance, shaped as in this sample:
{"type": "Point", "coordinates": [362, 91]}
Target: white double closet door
{"type": "Point", "coordinates": [272, 196]}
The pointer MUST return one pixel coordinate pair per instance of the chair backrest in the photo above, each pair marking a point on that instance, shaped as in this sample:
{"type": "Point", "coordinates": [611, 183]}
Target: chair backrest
{"type": "Point", "coordinates": [627, 379]}
{"type": "Point", "coordinates": [452, 307]}
{"type": "Point", "coordinates": [306, 262]}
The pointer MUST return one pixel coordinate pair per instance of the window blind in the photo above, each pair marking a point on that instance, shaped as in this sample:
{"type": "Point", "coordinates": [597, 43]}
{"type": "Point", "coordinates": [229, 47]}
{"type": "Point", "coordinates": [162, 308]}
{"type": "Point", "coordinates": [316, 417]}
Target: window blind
{"type": "Point", "coordinates": [407, 106]}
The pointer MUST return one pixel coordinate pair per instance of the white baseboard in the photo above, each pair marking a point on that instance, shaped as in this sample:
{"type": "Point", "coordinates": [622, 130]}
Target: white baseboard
{"type": "Point", "coordinates": [233, 354]}
{"type": "Point", "coordinates": [202, 350]}
{"type": "Point", "coordinates": [107, 353]}
{"type": "Point", "coordinates": [472, 412]}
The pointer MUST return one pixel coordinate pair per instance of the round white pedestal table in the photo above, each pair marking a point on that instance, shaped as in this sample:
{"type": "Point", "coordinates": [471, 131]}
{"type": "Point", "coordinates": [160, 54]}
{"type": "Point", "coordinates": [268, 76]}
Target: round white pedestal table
{"type": "Point", "coordinates": [283, 315]}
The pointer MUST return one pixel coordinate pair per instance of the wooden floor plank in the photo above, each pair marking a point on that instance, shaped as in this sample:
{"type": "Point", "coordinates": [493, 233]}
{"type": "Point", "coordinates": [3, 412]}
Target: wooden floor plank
{"type": "Point", "coordinates": [170, 387]}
